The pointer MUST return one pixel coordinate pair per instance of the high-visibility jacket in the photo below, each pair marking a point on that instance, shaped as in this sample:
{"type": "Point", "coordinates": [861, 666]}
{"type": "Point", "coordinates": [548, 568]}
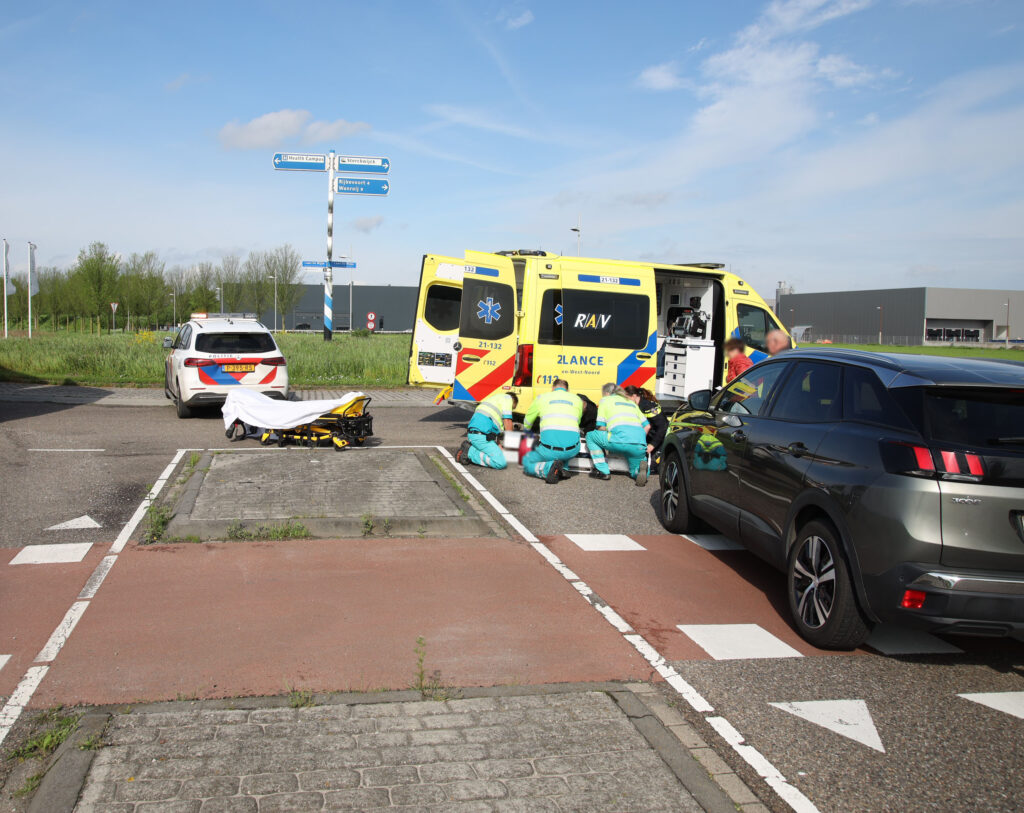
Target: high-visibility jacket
{"type": "Point", "coordinates": [491, 413]}
{"type": "Point", "coordinates": [558, 410]}
{"type": "Point", "coordinates": [622, 419]}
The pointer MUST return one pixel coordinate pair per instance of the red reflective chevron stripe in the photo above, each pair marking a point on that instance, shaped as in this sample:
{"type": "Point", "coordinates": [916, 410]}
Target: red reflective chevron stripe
{"type": "Point", "coordinates": [639, 377]}
{"type": "Point", "coordinates": [498, 377]}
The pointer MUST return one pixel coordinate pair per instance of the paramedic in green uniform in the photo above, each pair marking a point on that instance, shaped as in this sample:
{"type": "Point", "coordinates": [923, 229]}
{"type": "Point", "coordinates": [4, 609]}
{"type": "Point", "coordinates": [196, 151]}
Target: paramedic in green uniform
{"type": "Point", "coordinates": [621, 429]}
{"type": "Point", "coordinates": [492, 417]}
{"type": "Point", "coordinates": [559, 412]}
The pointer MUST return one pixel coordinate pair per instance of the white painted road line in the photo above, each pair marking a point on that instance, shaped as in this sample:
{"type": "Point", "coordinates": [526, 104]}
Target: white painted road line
{"type": "Point", "coordinates": [1009, 702]}
{"type": "Point", "coordinates": [712, 541]}
{"type": "Point", "coordinates": [60, 635]}
{"type": "Point", "coordinates": [140, 512]}
{"type": "Point", "coordinates": [67, 450]}
{"type": "Point", "coordinates": [16, 703]}
{"type": "Point", "coordinates": [726, 642]}
{"type": "Point", "coordinates": [848, 718]}
{"type": "Point", "coordinates": [66, 553]}
{"type": "Point", "coordinates": [892, 640]}
{"type": "Point", "coordinates": [97, 577]}
{"type": "Point", "coordinates": [771, 775]}
{"type": "Point", "coordinates": [603, 542]}
{"type": "Point", "coordinates": [3, 660]}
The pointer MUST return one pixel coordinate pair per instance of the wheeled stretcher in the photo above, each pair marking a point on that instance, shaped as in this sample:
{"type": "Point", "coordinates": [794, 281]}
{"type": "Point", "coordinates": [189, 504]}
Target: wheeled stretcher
{"type": "Point", "coordinates": [341, 423]}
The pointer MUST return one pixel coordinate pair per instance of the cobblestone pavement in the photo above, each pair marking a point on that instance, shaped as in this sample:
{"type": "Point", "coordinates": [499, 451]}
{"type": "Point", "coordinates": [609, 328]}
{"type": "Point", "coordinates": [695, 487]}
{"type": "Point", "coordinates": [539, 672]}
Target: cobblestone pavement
{"type": "Point", "coordinates": [128, 396]}
{"type": "Point", "coordinates": [554, 752]}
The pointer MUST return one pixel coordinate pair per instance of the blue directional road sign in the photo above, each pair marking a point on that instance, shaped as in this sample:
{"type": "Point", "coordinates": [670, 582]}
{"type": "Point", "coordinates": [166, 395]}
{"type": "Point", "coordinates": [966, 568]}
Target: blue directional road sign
{"type": "Point", "coordinates": [324, 264]}
{"type": "Point", "coordinates": [363, 186]}
{"type": "Point", "coordinates": [362, 163]}
{"type": "Point", "coordinates": [306, 161]}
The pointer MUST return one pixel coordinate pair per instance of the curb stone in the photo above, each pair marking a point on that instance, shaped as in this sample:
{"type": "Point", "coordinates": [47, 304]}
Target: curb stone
{"type": "Point", "coordinates": [65, 777]}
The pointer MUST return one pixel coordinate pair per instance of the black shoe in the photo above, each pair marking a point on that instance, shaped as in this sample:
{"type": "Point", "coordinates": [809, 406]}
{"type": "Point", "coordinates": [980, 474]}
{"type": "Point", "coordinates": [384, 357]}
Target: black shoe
{"type": "Point", "coordinates": [599, 475]}
{"type": "Point", "coordinates": [555, 474]}
{"type": "Point", "coordinates": [462, 455]}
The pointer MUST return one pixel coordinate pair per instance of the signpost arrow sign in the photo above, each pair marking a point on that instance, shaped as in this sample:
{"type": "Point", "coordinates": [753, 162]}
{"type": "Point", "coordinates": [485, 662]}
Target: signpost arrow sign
{"type": "Point", "coordinates": [331, 264]}
{"type": "Point", "coordinates": [363, 186]}
{"type": "Point", "coordinates": [304, 161]}
{"type": "Point", "coordinates": [363, 163]}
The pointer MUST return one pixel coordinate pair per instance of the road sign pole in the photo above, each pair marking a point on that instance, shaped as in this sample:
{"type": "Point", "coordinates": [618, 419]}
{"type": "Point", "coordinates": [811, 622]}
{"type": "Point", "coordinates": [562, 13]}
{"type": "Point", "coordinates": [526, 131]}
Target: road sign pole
{"type": "Point", "coordinates": [328, 271]}
{"type": "Point", "coordinates": [6, 253]}
{"type": "Point", "coordinates": [31, 268]}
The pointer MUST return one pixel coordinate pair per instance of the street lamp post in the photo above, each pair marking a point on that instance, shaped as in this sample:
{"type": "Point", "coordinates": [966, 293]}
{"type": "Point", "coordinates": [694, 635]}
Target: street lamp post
{"type": "Point", "coordinates": [579, 234]}
{"type": "Point", "coordinates": [1006, 343]}
{"type": "Point", "coordinates": [880, 314]}
{"type": "Point", "coordinates": [274, 277]}
{"type": "Point", "coordinates": [174, 305]}
{"type": "Point", "coordinates": [220, 297]}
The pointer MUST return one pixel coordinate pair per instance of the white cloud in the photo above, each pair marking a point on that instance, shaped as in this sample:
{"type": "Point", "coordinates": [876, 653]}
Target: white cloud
{"type": "Point", "coordinates": [367, 224]}
{"type": "Point", "coordinates": [520, 20]}
{"type": "Point", "coordinates": [786, 17]}
{"type": "Point", "coordinates": [318, 132]}
{"type": "Point", "coordinates": [278, 128]}
{"type": "Point", "coordinates": [178, 82]}
{"type": "Point", "coordinates": [661, 77]}
{"type": "Point", "coordinates": [870, 120]}
{"type": "Point", "coordinates": [268, 130]}
{"type": "Point", "coordinates": [481, 120]}
{"type": "Point", "coordinates": [698, 46]}
{"type": "Point", "coordinates": [843, 72]}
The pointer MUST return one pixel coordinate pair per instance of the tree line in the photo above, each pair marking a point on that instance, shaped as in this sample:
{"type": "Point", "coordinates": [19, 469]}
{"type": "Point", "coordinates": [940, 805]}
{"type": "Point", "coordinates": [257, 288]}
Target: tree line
{"type": "Point", "coordinates": [150, 294]}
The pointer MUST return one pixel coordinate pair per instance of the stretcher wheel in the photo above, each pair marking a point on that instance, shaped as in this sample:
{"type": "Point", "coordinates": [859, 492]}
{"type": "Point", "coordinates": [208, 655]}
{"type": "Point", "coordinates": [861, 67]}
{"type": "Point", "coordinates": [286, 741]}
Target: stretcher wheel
{"type": "Point", "coordinates": [339, 444]}
{"type": "Point", "coordinates": [358, 441]}
{"type": "Point", "coordinates": [265, 439]}
{"type": "Point", "coordinates": [280, 440]}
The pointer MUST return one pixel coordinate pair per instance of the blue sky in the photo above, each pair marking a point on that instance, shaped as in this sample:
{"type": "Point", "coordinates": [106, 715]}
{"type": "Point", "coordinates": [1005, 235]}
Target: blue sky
{"type": "Point", "coordinates": [830, 143]}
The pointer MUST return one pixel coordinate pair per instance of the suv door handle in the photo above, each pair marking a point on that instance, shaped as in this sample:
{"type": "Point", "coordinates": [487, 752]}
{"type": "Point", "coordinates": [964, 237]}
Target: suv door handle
{"type": "Point", "coordinates": [797, 449]}
{"type": "Point", "coordinates": [739, 436]}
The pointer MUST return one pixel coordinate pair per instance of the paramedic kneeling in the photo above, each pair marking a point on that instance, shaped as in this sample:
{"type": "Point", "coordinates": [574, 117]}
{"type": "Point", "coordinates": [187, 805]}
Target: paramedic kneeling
{"type": "Point", "coordinates": [559, 412]}
{"type": "Point", "coordinates": [492, 417]}
{"type": "Point", "coordinates": [621, 429]}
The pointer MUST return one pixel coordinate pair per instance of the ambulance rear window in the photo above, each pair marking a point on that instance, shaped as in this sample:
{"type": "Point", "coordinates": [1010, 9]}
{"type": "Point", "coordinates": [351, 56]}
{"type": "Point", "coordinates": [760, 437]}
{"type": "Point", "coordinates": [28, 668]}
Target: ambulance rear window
{"type": "Point", "coordinates": [605, 319]}
{"type": "Point", "coordinates": [441, 309]}
{"type": "Point", "coordinates": [489, 309]}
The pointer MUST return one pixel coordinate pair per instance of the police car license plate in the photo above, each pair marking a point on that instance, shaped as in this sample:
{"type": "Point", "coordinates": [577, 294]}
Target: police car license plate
{"type": "Point", "coordinates": [239, 368]}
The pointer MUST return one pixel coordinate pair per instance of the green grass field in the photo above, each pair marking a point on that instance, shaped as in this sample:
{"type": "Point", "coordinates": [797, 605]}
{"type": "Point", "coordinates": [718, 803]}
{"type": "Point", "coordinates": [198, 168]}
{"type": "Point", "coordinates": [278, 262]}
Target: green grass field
{"type": "Point", "coordinates": [137, 360]}
{"type": "Point", "coordinates": [1014, 353]}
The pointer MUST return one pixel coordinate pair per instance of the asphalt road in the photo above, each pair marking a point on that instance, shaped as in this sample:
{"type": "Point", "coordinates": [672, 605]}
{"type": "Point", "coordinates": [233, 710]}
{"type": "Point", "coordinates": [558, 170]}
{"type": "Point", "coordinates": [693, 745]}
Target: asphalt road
{"type": "Point", "coordinates": [897, 735]}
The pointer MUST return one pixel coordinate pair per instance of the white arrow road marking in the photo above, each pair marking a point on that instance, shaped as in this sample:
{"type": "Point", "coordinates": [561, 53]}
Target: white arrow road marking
{"type": "Point", "coordinates": [52, 554]}
{"type": "Point", "coordinates": [1010, 702]}
{"type": "Point", "coordinates": [848, 718]}
{"type": "Point", "coordinates": [77, 524]}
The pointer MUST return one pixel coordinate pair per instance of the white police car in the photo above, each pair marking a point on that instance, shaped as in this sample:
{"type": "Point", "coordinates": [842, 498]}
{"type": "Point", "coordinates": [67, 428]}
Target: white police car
{"type": "Point", "coordinates": [215, 353]}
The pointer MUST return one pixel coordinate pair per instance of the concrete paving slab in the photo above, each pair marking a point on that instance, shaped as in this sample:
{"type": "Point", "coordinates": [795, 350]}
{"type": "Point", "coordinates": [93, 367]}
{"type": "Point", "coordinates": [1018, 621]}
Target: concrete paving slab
{"type": "Point", "coordinates": [334, 494]}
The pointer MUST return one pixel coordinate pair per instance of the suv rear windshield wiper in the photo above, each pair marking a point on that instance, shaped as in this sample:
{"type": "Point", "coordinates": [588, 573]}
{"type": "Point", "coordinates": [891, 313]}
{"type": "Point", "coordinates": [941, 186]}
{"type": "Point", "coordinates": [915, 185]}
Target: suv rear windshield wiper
{"type": "Point", "coordinates": [1012, 441]}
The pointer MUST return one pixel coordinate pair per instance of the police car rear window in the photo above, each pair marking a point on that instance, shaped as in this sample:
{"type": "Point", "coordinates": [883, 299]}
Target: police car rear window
{"type": "Point", "coordinates": [234, 343]}
{"type": "Point", "coordinates": [605, 319]}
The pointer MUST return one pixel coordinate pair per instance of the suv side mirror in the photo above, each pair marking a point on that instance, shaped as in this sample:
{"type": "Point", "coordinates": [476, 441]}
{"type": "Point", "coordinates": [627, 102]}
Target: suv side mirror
{"type": "Point", "coordinates": [168, 342]}
{"type": "Point", "coordinates": [700, 400]}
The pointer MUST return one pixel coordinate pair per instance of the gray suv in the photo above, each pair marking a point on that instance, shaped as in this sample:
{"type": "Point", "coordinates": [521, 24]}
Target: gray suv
{"type": "Point", "coordinates": [887, 487]}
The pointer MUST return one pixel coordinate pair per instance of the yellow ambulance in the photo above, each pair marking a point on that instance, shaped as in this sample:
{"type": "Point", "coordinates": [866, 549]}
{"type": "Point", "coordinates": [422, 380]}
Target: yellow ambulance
{"type": "Point", "coordinates": [517, 320]}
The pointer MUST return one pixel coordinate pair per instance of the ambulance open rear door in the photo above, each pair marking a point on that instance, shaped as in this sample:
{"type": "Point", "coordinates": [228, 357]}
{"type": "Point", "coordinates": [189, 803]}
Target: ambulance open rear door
{"type": "Point", "coordinates": [436, 331]}
{"type": "Point", "coordinates": [486, 347]}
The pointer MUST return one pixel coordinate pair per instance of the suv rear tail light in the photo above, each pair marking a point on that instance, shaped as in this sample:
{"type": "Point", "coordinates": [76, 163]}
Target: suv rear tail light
{"type": "Point", "coordinates": [276, 361]}
{"type": "Point", "coordinates": [913, 599]}
{"type": "Point", "coordinates": [899, 457]}
{"type": "Point", "coordinates": [524, 366]}
{"type": "Point", "coordinates": [194, 362]}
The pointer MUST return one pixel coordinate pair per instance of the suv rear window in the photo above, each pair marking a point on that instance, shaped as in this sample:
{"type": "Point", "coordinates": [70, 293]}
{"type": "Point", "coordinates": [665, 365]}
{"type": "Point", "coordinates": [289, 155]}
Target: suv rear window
{"type": "Point", "coordinates": [969, 416]}
{"type": "Point", "coordinates": [234, 343]}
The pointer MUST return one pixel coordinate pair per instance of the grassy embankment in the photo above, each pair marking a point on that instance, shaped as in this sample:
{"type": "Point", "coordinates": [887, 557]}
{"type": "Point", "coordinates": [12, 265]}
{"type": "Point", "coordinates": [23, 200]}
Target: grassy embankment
{"type": "Point", "coordinates": [137, 360]}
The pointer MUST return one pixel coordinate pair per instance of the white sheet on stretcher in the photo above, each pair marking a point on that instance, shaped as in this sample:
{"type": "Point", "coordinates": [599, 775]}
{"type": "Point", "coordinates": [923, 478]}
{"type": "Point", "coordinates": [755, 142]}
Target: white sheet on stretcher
{"type": "Point", "coordinates": [267, 413]}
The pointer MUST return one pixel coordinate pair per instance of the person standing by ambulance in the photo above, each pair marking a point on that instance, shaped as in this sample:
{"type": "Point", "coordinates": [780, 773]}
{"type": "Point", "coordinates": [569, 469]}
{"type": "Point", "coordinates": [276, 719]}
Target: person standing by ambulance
{"type": "Point", "coordinates": [621, 429]}
{"type": "Point", "coordinates": [492, 417]}
{"type": "Point", "coordinates": [559, 413]}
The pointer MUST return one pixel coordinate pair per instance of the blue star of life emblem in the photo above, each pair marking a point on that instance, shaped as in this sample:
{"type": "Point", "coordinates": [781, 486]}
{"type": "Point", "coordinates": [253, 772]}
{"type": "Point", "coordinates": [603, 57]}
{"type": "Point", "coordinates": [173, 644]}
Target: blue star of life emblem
{"type": "Point", "coordinates": [490, 311]}
{"type": "Point", "coordinates": [558, 314]}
